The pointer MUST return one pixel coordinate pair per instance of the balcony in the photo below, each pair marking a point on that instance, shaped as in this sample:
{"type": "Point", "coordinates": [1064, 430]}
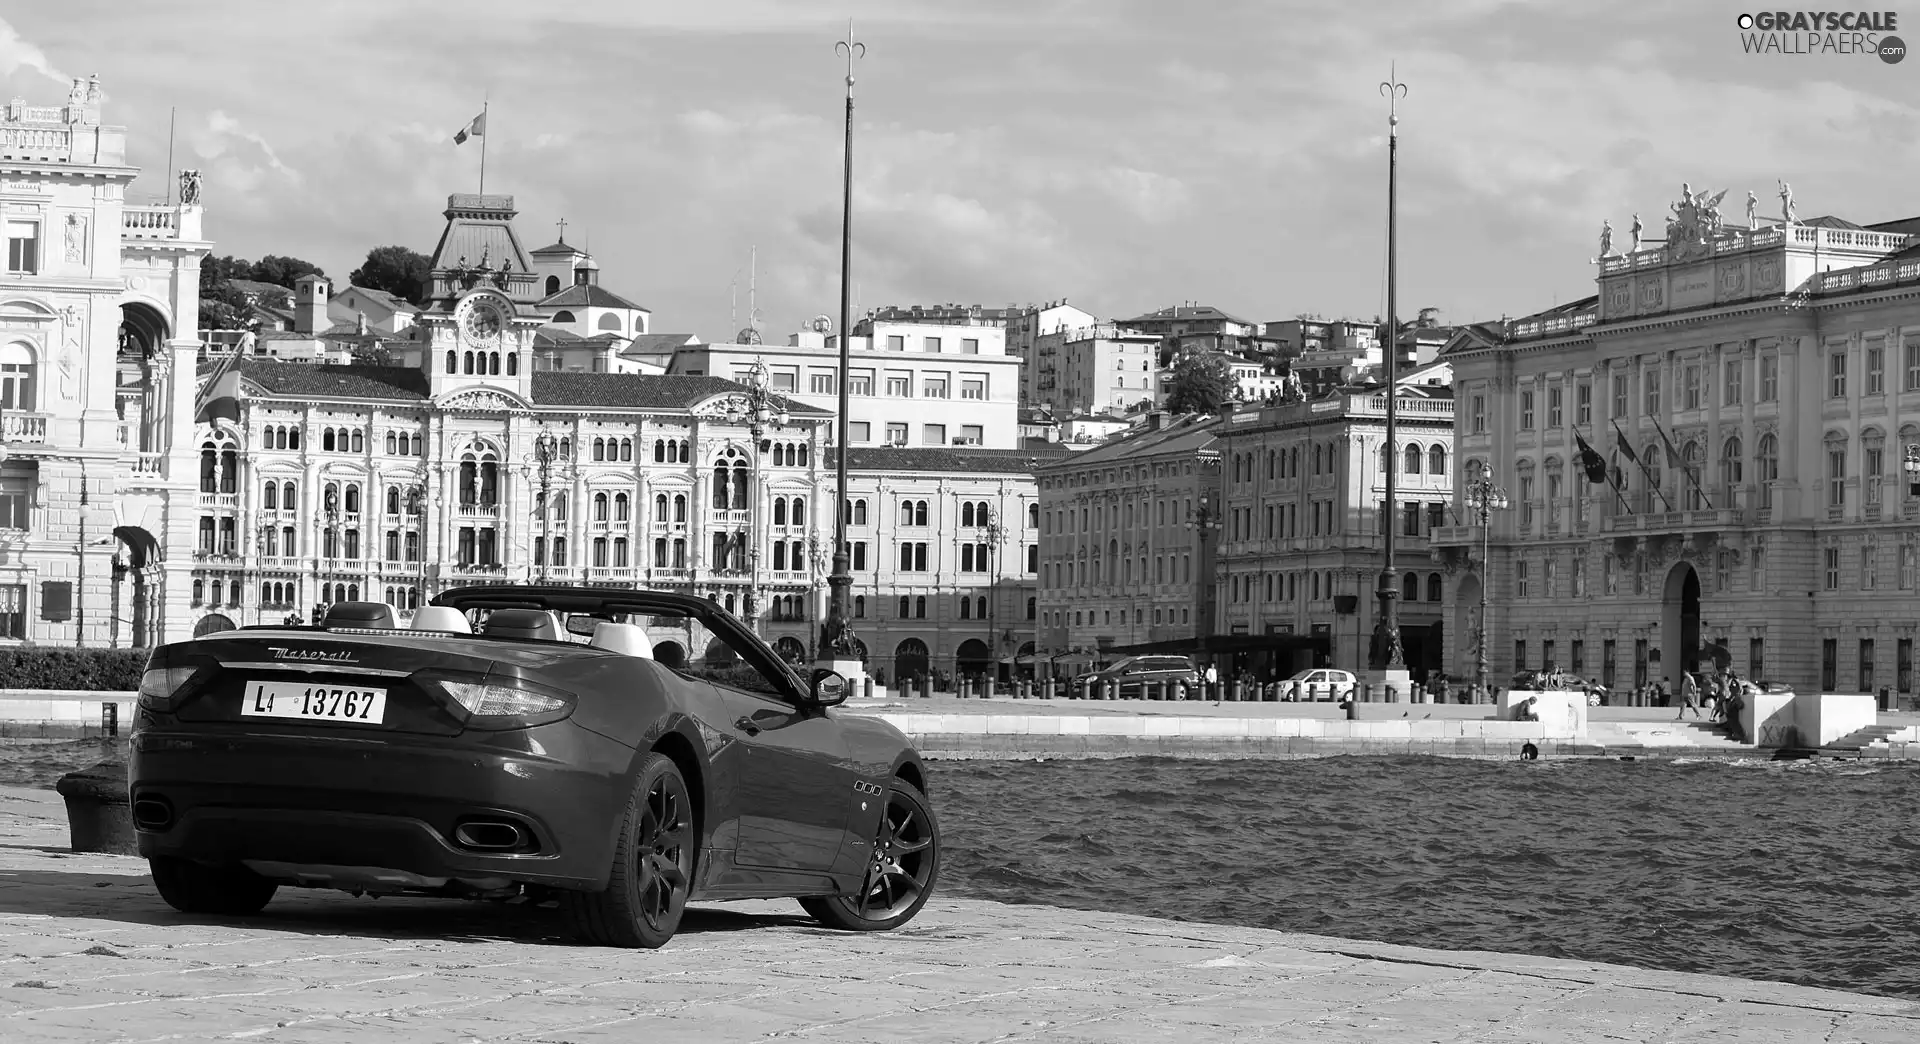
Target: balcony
{"type": "Point", "coordinates": [1450, 535]}
{"type": "Point", "coordinates": [150, 465]}
{"type": "Point", "coordinates": [150, 222]}
{"type": "Point", "coordinates": [607, 573]}
{"type": "Point", "coordinates": [478, 509]}
{"type": "Point", "coordinates": [23, 427]}
{"type": "Point", "coordinates": [218, 500]}
{"type": "Point", "coordinates": [476, 569]}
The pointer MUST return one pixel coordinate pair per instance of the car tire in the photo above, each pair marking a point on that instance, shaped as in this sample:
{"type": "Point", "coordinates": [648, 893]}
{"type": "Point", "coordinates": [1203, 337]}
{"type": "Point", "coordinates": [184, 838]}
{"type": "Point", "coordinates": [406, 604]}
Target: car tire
{"type": "Point", "coordinates": [652, 871]}
{"type": "Point", "coordinates": [901, 870]}
{"type": "Point", "coordinates": [197, 888]}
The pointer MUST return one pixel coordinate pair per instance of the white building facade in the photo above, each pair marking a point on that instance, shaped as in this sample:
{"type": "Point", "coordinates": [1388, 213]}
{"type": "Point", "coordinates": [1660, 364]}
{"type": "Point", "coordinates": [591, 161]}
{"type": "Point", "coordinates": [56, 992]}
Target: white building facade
{"type": "Point", "coordinates": [98, 313]}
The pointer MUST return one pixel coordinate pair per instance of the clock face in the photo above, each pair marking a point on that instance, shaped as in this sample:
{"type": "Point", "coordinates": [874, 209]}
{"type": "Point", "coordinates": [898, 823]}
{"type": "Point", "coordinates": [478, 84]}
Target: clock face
{"type": "Point", "coordinates": [482, 323]}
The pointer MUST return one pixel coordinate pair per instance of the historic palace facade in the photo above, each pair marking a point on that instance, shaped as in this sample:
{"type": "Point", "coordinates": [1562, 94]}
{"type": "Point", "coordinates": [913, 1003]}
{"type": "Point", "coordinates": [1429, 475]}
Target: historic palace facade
{"type": "Point", "coordinates": [98, 313]}
{"type": "Point", "coordinates": [1749, 394]}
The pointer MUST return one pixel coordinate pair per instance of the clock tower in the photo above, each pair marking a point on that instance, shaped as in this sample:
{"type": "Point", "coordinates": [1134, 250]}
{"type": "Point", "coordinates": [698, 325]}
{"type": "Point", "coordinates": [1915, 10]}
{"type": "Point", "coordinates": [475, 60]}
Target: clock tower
{"type": "Point", "coordinates": [477, 329]}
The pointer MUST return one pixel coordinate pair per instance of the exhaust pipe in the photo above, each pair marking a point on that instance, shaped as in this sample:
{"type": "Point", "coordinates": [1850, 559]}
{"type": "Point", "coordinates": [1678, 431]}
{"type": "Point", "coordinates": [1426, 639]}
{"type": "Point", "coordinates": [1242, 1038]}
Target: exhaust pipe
{"type": "Point", "coordinates": [152, 814]}
{"type": "Point", "coordinates": [491, 835]}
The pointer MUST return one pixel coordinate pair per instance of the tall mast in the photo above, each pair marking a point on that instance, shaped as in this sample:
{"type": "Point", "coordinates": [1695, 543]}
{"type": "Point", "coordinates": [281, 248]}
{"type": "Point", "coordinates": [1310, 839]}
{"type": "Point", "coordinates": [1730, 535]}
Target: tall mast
{"type": "Point", "coordinates": [1386, 654]}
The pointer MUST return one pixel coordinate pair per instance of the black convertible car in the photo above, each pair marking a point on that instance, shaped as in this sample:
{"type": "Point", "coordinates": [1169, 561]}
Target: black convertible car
{"type": "Point", "coordinates": [525, 744]}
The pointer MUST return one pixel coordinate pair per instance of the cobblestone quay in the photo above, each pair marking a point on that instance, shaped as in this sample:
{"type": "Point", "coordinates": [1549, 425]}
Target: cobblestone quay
{"type": "Point", "coordinates": [90, 953]}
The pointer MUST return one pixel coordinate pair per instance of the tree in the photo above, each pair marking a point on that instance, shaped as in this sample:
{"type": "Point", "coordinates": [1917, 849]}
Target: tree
{"type": "Point", "coordinates": [396, 270]}
{"type": "Point", "coordinates": [1200, 384]}
{"type": "Point", "coordinates": [282, 270]}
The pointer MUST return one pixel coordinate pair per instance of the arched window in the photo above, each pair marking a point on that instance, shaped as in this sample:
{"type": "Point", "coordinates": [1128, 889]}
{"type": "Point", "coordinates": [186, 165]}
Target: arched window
{"type": "Point", "coordinates": [919, 512]}
{"type": "Point", "coordinates": [493, 363]}
{"type": "Point", "coordinates": [610, 321]}
{"type": "Point", "coordinates": [453, 361]}
{"type": "Point", "coordinates": [353, 498]}
{"type": "Point", "coordinates": [626, 449]}
{"type": "Point", "coordinates": [966, 513]}
{"type": "Point", "coordinates": [721, 487]}
{"type": "Point", "coordinates": [553, 285]}
{"type": "Point", "coordinates": [1410, 587]}
{"type": "Point", "coordinates": [903, 606]}
{"type": "Point", "coordinates": [1384, 455]}
{"type": "Point", "coordinates": [860, 606]}
{"type": "Point", "coordinates": [680, 508]}
{"type": "Point", "coordinates": [1433, 587]}
{"type": "Point", "coordinates": [1437, 460]}
{"type": "Point", "coordinates": [326, 440]}
{"type": "Point", "coordinates": [920, 607]}
{"type": "Point", "coordinates": [466, 363]}
{"type": "Point", "coordinates": [779, 511]}
{"type": "Point", "coordinates": [393, 444]}
{"type": "Point", "coordinates": [287, 496]}
{"type": "Point", "coordinates": [599, 449]}
{"type": "Point", "coordinates": [1413, 460]}
{"type": "Point", "coordinates": [359, 443]}
{"type": "Point", "coordinates": [659, 552]}
{"type": "Point", "coordinates": [799, 511]}
{"type": "Point", "coordinates": [600, 509]}
{"type": "Point", "coordinates": [270, 498]}
{"type": "Point", "coordinates": [659, 451]}
{"type": "Point", "coordinates": [906, 512]}
{"type": "Point", "coordinates": [980, 608]}
{"type": "Point", "coordinates": [513, 363]}
{"type": "Point", "coordinates": [966, 608]}
{"type": "Point", "coordinates": [1766, 459]}
{"type": "Point", "coordinates": [563, 316]}
{"type": "Point", "coordinates": [620, 507]}
{"type": "Point", "coordinates": [1033, 516]}
{"type": "Point", "coordinates": [393, 500]}
{"type": "Point", "coordinates": [17, 371]}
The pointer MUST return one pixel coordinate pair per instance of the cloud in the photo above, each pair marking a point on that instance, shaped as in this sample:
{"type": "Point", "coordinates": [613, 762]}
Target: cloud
{"type": "Point", "coordinates": [17, 53]}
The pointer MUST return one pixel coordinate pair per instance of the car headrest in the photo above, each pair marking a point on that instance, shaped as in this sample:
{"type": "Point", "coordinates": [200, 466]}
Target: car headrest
{"type": "Point", "coordinates": [441, 618]}
{"type": "Point", "coordinates": [623, 638]}
{"type": "Point", "coordinates": [360, 614]}
{"type": "Point", "coordinates": [522, 623]}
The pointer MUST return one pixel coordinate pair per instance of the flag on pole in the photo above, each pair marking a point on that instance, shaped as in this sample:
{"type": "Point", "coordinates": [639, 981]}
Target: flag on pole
{"type": "Point", "coordinates": [476, 129]}
{"type": "Point", "coordinates": [1591, 462]}
{"type": "Point", "coordinates": [1625, 447]}
{"type": "Point", "coordinates": [1674, 460]}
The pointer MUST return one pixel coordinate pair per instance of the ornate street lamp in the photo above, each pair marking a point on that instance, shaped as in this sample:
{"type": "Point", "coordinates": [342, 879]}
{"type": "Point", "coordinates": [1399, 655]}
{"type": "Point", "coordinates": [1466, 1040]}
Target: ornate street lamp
{"type": "Point", "coordinates": [546, 451]}
{"type": "Point", "coordinates": [1484, 498]}
{"type": "Point", "coordinates": [1203, 521]}
{"type": "Point", "coordinates": [759, 409]}
{"type": "Point", "coordinates": [836, 635]}
{"type": "Point", "coordinates": [416, 498]}
{"type": "Point", "coordinates": [995, 533]}
{"type": "Point", "coordinates": [1386, 652]}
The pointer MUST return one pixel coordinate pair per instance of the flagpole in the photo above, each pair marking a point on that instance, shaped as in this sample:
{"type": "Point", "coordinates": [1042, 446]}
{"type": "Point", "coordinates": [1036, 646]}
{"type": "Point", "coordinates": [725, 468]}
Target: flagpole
{"type": "Point", "coordinates": [1677, 455]}
{"type": "Point", "coordinates": [171, 113]}
{"type": "Point", "coordinates": [483, 146]}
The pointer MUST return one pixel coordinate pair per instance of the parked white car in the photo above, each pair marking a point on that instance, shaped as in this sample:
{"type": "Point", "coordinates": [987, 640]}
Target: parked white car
{"type": "Point", "coordinates": [1319, 683]}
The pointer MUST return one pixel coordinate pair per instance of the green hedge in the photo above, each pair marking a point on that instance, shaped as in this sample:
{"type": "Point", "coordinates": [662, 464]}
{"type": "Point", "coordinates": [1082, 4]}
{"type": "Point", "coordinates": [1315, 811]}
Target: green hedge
{"type": "Point", "coordinates": [91, 670]}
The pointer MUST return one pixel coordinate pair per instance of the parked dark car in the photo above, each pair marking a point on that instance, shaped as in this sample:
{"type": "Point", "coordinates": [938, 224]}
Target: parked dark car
{"type": "Point", "coordinates": [505, 761]}
{"type": "Point", "coordinates": [1137, 676]}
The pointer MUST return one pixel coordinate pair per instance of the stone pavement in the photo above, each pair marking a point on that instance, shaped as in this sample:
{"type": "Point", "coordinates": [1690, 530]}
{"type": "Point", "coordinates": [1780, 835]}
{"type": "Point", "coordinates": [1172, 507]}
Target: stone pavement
{"type": "Point", "coordinates": [89, 953]}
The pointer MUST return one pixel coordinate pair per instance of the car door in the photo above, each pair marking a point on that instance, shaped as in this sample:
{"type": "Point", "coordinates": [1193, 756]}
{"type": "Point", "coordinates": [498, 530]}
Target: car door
{"type": "Point", "coordinates": [794, 793]}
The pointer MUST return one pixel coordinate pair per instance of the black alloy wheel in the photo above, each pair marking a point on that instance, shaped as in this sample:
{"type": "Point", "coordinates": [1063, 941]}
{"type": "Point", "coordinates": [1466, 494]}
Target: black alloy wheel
{"type": "Point", "coordinates": [652, 866]}
{"type": "Point", "coordinates": [197, 888]}
{"type": "Point", "coordinates": [901, 869]}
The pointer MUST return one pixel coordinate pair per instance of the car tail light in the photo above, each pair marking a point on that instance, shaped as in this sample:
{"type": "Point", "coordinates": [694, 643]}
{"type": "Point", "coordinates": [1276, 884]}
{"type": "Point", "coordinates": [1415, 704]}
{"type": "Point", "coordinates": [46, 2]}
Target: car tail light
{"type": "Point", "coordinates": [500, 706]}
{"type": "Point", "coordinates": [158, 685]}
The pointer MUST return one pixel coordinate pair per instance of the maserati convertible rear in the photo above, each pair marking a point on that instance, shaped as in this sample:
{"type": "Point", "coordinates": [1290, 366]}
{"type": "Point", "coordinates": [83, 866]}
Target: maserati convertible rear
{"type": "Point", "coordinates": [513, 764]}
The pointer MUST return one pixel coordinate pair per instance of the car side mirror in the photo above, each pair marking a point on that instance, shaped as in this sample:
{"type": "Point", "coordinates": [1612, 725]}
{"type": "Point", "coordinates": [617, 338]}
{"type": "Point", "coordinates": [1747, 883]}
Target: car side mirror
{"type": "Point", "coordinates": [828, 688]}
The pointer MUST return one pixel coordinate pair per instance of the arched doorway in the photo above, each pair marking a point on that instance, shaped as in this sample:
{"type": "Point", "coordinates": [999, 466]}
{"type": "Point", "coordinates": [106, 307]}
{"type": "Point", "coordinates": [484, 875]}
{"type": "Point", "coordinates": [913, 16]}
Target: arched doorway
{"type": "Point", "coordinates": [719, 654]}
{"type": "Point", "coordinates": [672, 655]}
{"type": "Point", "coordinates": [910, 661]}
{"type": "Point", "coordinates": [790, 649]}
{"type": "Point", "coordinates": [136, 588]}
{"type": "Point", "coordinates": [212, 623]}
{"type": "Point", "coordinates": [1679, 624]}
{"type": "Point", "coordinates": [139, 400]}
{"type": "Point", "coordinates": [1466, 623]}
{"type": "Point", "coordinates": [973, 659]}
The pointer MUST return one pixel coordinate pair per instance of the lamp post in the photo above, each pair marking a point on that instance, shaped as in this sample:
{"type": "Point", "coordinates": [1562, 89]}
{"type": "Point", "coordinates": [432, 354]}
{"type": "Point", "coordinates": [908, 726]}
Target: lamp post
{"type": "Point", "coordinates": [1386, 653]}
{"type": "Point", "coordinates": [758, 409]}
{"type": "Point", "coordinates": [994, 532]}
{"type": "Point", "coordinates": [1483, 497]}
{"type": "Point", "coordinates": [416, 495]}
{"type": "Point", "coordinates": [546, 450]}
{"type": "Point", "coordinates": [836, 635]}
{"type": "Point", "coordinates": [1203, 521]}
{"type": "Point", "coordinates": [817, 559]}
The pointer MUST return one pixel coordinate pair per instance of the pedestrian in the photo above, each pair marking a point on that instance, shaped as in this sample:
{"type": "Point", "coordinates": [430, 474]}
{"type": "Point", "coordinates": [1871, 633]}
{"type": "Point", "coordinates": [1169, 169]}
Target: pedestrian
{"type": "Point", "coordinates": [1666, 691]}
{"type": "Point", "coordinates": [1689, 696]}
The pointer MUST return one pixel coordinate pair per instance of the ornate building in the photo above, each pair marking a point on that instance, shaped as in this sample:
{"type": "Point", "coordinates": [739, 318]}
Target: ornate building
{"type": "Point", "coordinates": [1301, 540]}
{"type": "Point", "coordinates": [98, 308]}
{"type": "Point", "coordinates": [1746, 391]}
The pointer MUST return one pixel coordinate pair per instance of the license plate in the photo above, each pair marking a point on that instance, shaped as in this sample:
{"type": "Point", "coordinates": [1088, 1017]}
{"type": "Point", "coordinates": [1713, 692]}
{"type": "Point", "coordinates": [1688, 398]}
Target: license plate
{"type": "Point", "coordinates": [314, 702]}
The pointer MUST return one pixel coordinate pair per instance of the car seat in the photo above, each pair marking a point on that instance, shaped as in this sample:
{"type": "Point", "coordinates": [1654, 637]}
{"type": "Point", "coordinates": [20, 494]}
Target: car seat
{"type": "Point", "coordinates": [377, 615]}
{"type": "Point", "coordinates": [623, 638]}
{"type": "Point", "coordinates": [521, 623]}
{"type": "Point", "coordinates": [441, 618]}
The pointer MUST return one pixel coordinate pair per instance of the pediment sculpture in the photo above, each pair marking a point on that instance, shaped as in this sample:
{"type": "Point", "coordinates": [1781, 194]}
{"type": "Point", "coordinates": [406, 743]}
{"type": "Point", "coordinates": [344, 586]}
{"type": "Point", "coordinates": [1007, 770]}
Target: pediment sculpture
{"type": "Point", "coordinates": [723, 407]}
{"type": "Point", "coordinates": [1695, 224]}
{"type": "Point", "coordinates": [481, 401]}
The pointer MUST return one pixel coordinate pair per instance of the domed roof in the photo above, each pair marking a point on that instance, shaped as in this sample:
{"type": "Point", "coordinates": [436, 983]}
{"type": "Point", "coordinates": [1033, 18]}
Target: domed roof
{"type": "Point", "coordinates": [747, 336]}
{"type": "Point", "coordinates": [586, 261]}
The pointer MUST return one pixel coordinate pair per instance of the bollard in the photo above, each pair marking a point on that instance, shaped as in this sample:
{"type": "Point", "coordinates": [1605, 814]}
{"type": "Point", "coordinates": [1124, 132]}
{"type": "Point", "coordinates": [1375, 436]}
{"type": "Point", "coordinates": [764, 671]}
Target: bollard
{"type": "Point", "coordinates": [866, 687]}
{"type": "Point", "coordinates": [926, 687]}
{"type": "Point", "coordinates": [1159, 691]}
{"type": "Point", "coordinates": [1367, 689]}
{"type": "Point", "coordinates": [99, 816]}
{"type": "Point", "coordinates": [110, 718]}
{"type": "Point", "coordinates": [1232, 693]}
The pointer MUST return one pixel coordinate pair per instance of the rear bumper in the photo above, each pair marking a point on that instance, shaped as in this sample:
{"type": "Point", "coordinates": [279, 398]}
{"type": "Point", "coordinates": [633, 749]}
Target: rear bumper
{"type": "Point", "coordinates": [388, 803]}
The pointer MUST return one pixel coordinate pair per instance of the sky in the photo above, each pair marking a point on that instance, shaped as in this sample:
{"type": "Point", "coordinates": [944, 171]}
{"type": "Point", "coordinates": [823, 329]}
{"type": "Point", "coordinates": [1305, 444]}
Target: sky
{"type": "Point", "coordinates": [1125, 155]}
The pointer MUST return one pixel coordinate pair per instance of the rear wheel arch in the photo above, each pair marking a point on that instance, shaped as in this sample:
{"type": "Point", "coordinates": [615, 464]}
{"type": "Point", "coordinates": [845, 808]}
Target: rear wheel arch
{"type": "Point", "coordinates": [912, 773]}
{"type": "Point", "coordinates": [677, 747]}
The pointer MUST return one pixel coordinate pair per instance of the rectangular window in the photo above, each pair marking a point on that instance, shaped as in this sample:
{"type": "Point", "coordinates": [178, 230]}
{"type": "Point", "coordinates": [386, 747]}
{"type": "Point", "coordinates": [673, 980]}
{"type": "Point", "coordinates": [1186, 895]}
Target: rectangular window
{"type": "Point", "coordinates": [930, 345]}
{"type": "Point", "coordinates": [1583, 402]}
{"type": "Point", "coordinates": [1436, 516]}
{"type": "Point", "coordinates": [1410, 520]}
{"type": "Point", "coordinates": [1836, 476]}
{"type": "Point", "coordinates": [1837, 375]}
{"type": "Point", "coordinates": [1756, 658]}
{"type": "Point", "coordinates": [860, 382]}
{"type": "Point", "coordinates": [859, 432]}
{"type": "Point", "coordinates": [1651, 381]}
{"type": "Point", "coordinates": [1876, 367]}
{"type": "Point", "coordinates": [1876, 463]}
{"type": "Point", "coordinates": [973, 389]}
{"type": "Point", "coordinates": [23, 247]}
{"type": "Point", "coordinates": [1521, 572]}
{"type": "Point", "coordinates": [1690, 386]}
{"type": "Point", "coordinates": [1547, 650]}
{"type": "Point", "coordinates": [1607, 671]}
{"type": "Point", "coordinates": [859, 554]}
{"type": "Point", "coordinates": [783, 380]}
{"type": "Point", "coordinates": [1480, 415]}
{"type": "Point", "coordinates": [900, 387]}
{"type": "Point", "coordinates": [934, 387]}
{"type": "Point", "coordinates": [969, 346]}
{"type": "Point", "coordinates": [1833, 568]}
{"type": "Point", "coordinates": [16, 387]}
{"type": "Point", "coordinates": [820, 384]}
{"type": "Point", "coordinates": [896, 343]}
{"type": "Point", "coordinates": [1903, 664]}
{"type": "Point", "coordinates": [13, 611]}
{"type": "Point", "coordinates": [1577, 656]}
{"type": "Point", "coordinates": [1520, 654]}
{"type": "Point", "coordinates": [1639, 662]}
{"type": "Point", "coordinates": [1866, 569]}
{"type": "Point", "coordinates": [1526, 501]}
{"type": "Point", "coordinates": [1829, 664]}
{"type": "Point", "coordinates": [14, 505]}
{"type": "Point", "coordinates": [1620, 395]}
{"type": "Point", "coordinates": [1866, 665]}
{"type": "Point", "coordinates": [1769, 377]}
{"type": "Point", "coordinates": [1730, 386]}
{"type": "Point", "coordinates": [1913, 364]}
{"type": "Point", "coordinates": [1526, 411]}
{"type": "Point", "coordinates": [934, 435]}
{"type": "Point", "coordinates": [1553, 408]}
{"type": "Point", "coordinates": [972, 434]}
{"type": "Point", "coordinates": [896, 434]}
